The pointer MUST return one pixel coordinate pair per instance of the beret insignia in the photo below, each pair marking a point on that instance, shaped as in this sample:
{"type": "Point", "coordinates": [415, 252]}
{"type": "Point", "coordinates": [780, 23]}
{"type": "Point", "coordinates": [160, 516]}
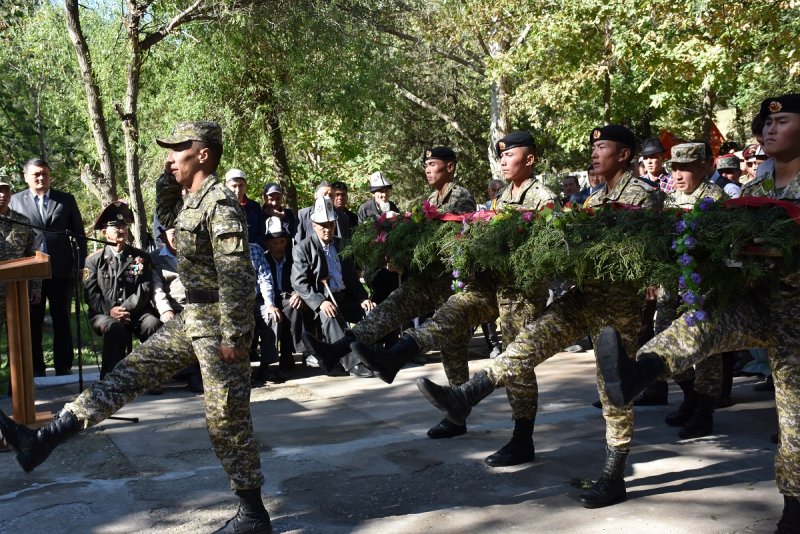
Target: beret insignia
{"type": "Point", "coordinates": [427, 153]}
{"type": "Point", "coordinates": [501, 145]}
{"type": "Point", "coordinates": [775, 106]}
{"type": "Point", "coordinates": [596, 134]}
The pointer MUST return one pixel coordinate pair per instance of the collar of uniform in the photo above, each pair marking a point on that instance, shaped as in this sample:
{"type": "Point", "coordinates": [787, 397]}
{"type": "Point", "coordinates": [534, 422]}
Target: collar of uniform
{"type": "Point", "coordinates": [448, 187]}
{"type": "Point", "coordinates": [111, 253]}
{"type": "Point", "coordinates": [619, 187]}
{"type": "Point", "coordinates": [508, 191]}
{"type": "Point", "coordinates": [192, 200]}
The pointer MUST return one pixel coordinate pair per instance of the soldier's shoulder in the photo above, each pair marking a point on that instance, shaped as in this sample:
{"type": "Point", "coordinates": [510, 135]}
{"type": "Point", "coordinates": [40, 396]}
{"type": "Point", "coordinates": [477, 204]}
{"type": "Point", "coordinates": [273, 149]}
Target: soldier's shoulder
{"type": "Point", "coordinates": [541, 189]}
{"type": "Point", "coordinates": [17, 216]}
{"type": "Point", "coordinates": [647, 185]}
{"type": "Point", "coordinates": [461, 190]}
{"type": "Point", "coordinates": [755, 184]}
{"type": "Point", "coordinates": [95, 256]}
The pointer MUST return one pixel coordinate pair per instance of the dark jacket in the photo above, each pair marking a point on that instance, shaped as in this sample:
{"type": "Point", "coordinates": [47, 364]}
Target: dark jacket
{"type": "Point", "coordinates": [369, 210]}
{"type": "Point", "coordinates": [286, 275]}
{"type": "Point", "coordinates": [310, 267]}
{"type": "Point", "coordinates": [255, 220]}
{"type": "Point", "coordinates": [129, 286]}
{"type": "Point", "coordinates": [62, 214]}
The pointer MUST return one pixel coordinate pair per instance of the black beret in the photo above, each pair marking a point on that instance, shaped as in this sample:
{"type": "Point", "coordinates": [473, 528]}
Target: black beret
{"type": "Point", "coordinates": [515, 139]}
{"type": "Point", "coordinates": [443, 153]}
{"type": "Point", "coordinates": [113, 214]}
{"type": "Point", "coordinates": [613, 132]}
{"type": "Point", "coordinates": [789, 103]}
{"type": "Point", "coordinates": [651, 146]}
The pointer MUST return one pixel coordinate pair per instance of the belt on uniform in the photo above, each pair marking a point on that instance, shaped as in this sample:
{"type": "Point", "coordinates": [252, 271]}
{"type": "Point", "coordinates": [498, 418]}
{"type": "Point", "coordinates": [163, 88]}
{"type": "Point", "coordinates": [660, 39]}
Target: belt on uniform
{"type": "Point", "coordinates": [202, 296]}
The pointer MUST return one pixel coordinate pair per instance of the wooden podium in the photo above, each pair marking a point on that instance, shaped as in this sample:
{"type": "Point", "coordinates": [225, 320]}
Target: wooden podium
{"type": "Point", "coordinates": [15, 274]}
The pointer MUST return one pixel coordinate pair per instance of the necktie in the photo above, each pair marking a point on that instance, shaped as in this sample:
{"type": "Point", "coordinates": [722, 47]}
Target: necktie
{"type": "Point", "coordinates": [41, 201]}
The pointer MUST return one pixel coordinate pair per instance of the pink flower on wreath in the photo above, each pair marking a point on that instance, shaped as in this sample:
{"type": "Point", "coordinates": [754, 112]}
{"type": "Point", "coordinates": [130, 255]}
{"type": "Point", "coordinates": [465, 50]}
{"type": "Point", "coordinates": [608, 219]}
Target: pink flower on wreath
{"type": "Point", "coordinates": [380, 220]}
{"type": "Point", "coordinates": [381, 238]}
{"type": "Point", "coordinates": [527, 216]}
{"type": "Point", "coordinates": [430, 211]}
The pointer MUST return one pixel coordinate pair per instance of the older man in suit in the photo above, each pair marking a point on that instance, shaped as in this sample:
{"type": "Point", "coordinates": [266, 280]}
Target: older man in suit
{"type": "Point", "coordinates": [118, 283]}
{"type": "Point", "coordinates": [57, 214]}
{"type": "Point", "coordinates": [328, 284]}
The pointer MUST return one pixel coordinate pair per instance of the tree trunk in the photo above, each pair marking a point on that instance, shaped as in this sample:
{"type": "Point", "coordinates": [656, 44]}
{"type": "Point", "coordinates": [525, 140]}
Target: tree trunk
{"type": "Point", "coordinates": [37, 114]}
{"type": "Point", "coordinates": [607, 76]}
{"type": "Point", "coordinates": [108, 183]}
{"type": "Point", "coordinates": [130, 127]}
{"type": "Point", "coordinates": [280, 161]}
{"type": "Point", "coordinates": [498, 110]}
{"type": "Point", "coordinates": [708, 109]}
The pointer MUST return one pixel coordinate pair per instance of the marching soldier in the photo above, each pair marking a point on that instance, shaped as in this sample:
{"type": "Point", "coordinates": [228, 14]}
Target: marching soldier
{"type": "Point", "coordinates": [215, 327]}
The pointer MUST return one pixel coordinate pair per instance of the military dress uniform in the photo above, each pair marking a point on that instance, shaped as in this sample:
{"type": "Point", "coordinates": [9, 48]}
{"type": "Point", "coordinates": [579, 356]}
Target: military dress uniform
{"type": "Point", "coordinates": [124, 280]}
{"type": "Point", "coordinates": [214, 266]}
{"type": "Point", "coordinates": [454, 199]}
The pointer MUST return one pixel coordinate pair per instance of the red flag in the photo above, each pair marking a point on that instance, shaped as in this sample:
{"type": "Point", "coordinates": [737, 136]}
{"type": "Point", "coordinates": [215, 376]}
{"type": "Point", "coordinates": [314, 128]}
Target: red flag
{"type": "Point", "coordinates": [669, 140]}
{"type": "Point", "coordinates": [716, 139]}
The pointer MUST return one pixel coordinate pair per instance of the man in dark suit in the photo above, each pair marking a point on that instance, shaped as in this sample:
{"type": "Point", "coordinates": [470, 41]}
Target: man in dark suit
{"type": "Point", "coordinates": [288, 313]}
{"type": "Point", "coordinates": [347, 221]}
{"type": "Point", "coordinates": [381, 189]}
{"type": "Point", "coordinates": [118, 281]}
{"type": "Point", "coordinates": [328, 284]}
{"type": "Point", "coordinates": [58, 213]}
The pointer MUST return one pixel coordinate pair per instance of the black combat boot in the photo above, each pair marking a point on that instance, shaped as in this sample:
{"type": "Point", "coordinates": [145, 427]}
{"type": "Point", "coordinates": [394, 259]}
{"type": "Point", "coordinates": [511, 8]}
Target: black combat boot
{"type": "Point", "coordinates": [328, 354]}
{"type": "Point", "coordinates": [624, 378]}
{"type": "Point", "coordinates": [251, 518]}
{"type": "Point", "coordinates": [701, 422]}
{"type": "Point", "coordinates": [517, 451]}
{"type": "Point", "coordinates": [655, 394]}
{"type": "Point", "coordinates": [790, 521]}
{"type": "Point", "coordinates": [34, 446]}
{"type": "Point", "coordinates": [387, 362]}
{"type": "Point", "coordinates": [446, 429]}
{"type": "Point", "coordinates": [457, 402]}
{"type": "Point", "coordinates": [686, 407]}
{"type": "Point", "coordinates": [610, 487]}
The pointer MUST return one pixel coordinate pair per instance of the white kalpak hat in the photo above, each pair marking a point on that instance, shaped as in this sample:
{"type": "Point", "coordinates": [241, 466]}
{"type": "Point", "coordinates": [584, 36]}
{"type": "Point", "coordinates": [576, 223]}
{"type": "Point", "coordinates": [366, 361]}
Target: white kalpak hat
{"type": "Point", "coordinates": [378, 180]}
{"type": "Point", "coordinates": [323, 211]}
{"type": "Point", "coordinates": [235, 174]}
{"type": "Point", "coordinates": [274, 228]}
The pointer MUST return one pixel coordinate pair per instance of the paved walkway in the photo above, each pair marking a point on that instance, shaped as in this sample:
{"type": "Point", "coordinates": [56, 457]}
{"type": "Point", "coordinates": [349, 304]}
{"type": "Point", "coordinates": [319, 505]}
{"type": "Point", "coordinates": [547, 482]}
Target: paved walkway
{"type": "Point", "coordinates": [349, 455]}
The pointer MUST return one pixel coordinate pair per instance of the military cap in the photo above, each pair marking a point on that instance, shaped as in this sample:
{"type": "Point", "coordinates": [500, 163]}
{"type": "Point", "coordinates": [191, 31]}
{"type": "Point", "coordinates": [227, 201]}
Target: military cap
{"type": "Point", "coordinates": [203, 131]}
{"type": "Point", "coordinates": [275, 229]}
{"type": "Point", "coordinates": [652, 146]}
{"type": "Point", "coordinates": [728, 161]}
{"type": "Point", "coordinates": [323, 211]}
{"type": "Point", "coordinates": [515, 139]}
{"type": "Point", "coordinates": [443, 153]}
{"type": "Point", "coordinates": [115, 214]}
{"type": "Point", "coordinates": [788, 103]}
{"type": "Point", "coordinates": [339, 185]}
{"type": "Point", "coordinates": [614, 132]}
{"type": "Point", "coordinates": [378, 181]}
{"type": "Point", "coordinates": [5, 180]}
{"type": "Point", "coordinates": [271, 188]}
{"type": "Point", "coordinates": [753, 151]}
{"type": "Point", "coordinates": [235, 174]}
{"type": "Point", "coordinates": [688, 153]}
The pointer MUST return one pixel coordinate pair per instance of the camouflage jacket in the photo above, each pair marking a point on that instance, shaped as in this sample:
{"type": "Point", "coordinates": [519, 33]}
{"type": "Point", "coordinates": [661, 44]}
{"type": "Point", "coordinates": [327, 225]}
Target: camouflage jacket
{"type": "Point", "coordinates": [628, 190]}
{"type": "Point", "coordinates": [532, 195]}
{"type": "Point", "coordinates": [456, 199]}
{"type": "Point", "coordinates": [679, 199]}
{"type": "Point", "coordinates": [17, 241]}
{"type": "Point", "coordinates": [213, 258]}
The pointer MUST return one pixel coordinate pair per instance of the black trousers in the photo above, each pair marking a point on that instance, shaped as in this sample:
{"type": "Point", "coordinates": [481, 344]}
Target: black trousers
{"type": "Point", "coordinates": [118, 336]}
{"type": "Point", "coordinates": [333, 327]}
{"type": "Point", "coordinates": [58, 293]}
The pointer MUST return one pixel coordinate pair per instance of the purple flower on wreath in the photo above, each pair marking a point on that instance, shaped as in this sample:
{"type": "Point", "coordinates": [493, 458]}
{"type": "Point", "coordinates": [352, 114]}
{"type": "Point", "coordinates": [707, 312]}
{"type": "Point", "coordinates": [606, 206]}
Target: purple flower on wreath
{"type": "Point", "coordinates": [685, 260]}
{"type": "Point", "coordinates": [456, 273]}
{"type": "Point", "coordinates": [696, 278]}
{"type": "Point", "coordinates": [701, 315]}
{"type": "Point", "coordinates": [680, 227]}
{"type": "Point", "coordinates": [460, 284]}
{"type": "Point", "coordinates": [689, 298]}
{"type": "Point", "coordinates": [689, 242]}
{"type": "Point", "coordinates": [706, 203]}
{"type": "Point", "coordinates": [527, 216]}
{"type": "Point", "coordinates": [689, 318]}
{"type": "Point", "coordinates": [675, 244]}
{"type": "Point", "coordinates": [682, 282]}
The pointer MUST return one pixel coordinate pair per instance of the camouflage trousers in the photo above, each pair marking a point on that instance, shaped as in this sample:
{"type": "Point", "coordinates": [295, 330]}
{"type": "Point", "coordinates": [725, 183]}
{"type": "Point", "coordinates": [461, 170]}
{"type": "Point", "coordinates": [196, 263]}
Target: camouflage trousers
{"type": "Point", "coordinates": [706, 375]}
{"type": "Point", "coordinates": [770, 321]}
{"type": "Point", "coordinates": [575, 314]}
{"type": "Point", "coordinates": [227, 395]}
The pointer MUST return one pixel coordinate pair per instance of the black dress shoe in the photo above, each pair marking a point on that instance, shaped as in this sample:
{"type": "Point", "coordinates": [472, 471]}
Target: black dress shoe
{"type": "Point", "coordinates": [361, 371]}
{"type": "Point", "coordinates": [446, 429]}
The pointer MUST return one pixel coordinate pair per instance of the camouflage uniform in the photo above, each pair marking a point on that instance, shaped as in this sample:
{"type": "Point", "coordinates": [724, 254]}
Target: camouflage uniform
{"type": "Point", "coordinates": [214, 265]}
{"type": "Point", "coordinates": [16, 241]}
{"type": "Point", "coordinates": [480, 302]}
{"type": "Point", "coordinates": [706, 375]}
{"type": "Point", "coordinates": [758, 319]}
{"type": "Point", "coordinates": [580, 311]}
{"type": "Point", "coordinates": [456, 199]}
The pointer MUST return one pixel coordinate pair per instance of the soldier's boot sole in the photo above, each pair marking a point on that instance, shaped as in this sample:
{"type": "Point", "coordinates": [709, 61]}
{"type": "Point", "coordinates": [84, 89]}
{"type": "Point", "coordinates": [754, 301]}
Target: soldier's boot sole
{"type": "Point", "coordinates": [446, 429]}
